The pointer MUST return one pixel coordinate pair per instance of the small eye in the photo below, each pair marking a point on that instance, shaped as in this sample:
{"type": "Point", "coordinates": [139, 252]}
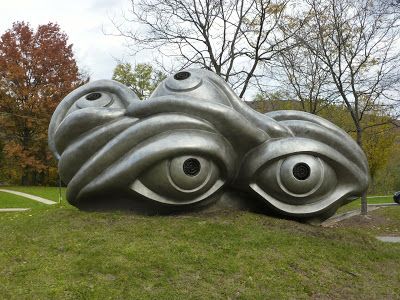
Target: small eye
{"type": "Point", "coordinates": [180, 180]}
{"type": "Point", "coordinates": [93, 96]}
{"type": "Point", "coordinates": [183, 81]}
{"type": "Point", "coordinates": [182, 75]}
{"type": "Point", "coordinates": [95, 99]}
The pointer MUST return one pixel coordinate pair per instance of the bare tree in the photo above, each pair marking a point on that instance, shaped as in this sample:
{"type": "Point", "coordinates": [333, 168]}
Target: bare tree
{"type": "Point", "coordinates": [304, 78]}
{"type": "Point", "coordinates": [356, 43]}
{"type": "Point", "coordinates": [230, 37]}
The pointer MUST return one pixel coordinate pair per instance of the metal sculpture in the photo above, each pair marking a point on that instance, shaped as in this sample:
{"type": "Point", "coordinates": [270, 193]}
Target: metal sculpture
{"type": "Point", "coordinates": [193, 139]}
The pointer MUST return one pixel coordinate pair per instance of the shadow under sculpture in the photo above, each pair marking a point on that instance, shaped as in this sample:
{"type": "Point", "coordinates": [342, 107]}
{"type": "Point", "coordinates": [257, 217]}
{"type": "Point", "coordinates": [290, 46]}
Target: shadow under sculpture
{"type": "Point", "coordinates": [192, 140]}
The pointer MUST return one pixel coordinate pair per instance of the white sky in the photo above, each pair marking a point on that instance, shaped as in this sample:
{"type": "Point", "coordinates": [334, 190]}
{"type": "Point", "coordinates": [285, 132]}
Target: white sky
{"type": "Point", "coordinates": [83, 21]}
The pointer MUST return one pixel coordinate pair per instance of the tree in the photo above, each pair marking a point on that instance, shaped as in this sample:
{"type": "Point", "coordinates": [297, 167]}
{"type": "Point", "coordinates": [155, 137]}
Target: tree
{"type": "Point", "coordinates": [387, 179]}
{"type": "Point", "coordinates": [304, 77]}
{"type": "Point", "coordinates": [233, 38]}
{"type": "Point", "coordinates": [37, 69]}
{"type": "Point", "coordinates": [378, 144]}
{"type": "Point", "coordinates": [378, 141]}
{"type": "Point", "coordinates": [277, 100]}
{"type": "Point", "coordinates": [142, 80]}
{"type": "Point", "coordinates": [355, 42]}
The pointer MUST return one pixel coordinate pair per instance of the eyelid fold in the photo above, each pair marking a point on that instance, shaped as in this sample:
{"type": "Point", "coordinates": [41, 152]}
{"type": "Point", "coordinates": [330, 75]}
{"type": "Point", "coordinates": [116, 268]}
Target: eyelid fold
{"type": "Point", "coordinates": [224, 119]}
{"type": "Point", "coordinates": [304, 124]}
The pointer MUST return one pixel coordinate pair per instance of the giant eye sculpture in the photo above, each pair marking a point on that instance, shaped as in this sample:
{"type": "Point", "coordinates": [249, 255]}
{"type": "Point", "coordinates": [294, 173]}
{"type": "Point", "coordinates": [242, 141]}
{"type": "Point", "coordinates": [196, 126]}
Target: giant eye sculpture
{"type": "Point", "coordinates": [192, 140]}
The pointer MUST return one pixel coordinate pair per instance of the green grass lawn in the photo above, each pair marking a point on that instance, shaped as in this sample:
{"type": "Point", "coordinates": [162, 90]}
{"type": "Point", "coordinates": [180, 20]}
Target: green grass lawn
{"type": "Point", "coordinates": [51, 193]}
{"type": "Point", "coordinates": [8, 200]}
{"type": "Point", "coordinates": [59, 252]}
{"type": "Point", "coordinates": [13, 201]}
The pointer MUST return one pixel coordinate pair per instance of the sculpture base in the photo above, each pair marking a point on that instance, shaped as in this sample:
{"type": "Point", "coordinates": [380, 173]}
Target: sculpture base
{"type": "Point", "coordinates": [223, 201]}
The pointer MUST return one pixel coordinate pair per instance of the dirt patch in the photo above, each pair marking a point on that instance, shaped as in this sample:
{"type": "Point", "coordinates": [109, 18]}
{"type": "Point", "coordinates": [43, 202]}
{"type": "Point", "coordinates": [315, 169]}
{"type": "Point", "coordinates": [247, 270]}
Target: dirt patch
{"type": "Point", "coordinates": [384, 221]}
{"type": "Point", "coordinates": [363, 221]}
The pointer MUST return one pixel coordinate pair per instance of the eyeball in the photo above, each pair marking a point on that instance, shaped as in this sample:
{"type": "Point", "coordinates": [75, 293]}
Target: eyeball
{"type": "Point", "coordinates": [300, 175]}
{"type": "Point", "coordinates": [297, 179]}
{"type": "Point", "coordinates": [189, 173]}
{"type": "Point", "coordinates": [181, 180]}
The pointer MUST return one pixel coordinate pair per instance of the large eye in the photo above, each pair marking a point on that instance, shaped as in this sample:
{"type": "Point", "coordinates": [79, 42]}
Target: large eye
{"type": "Point", "coordinates": [297, 179]}
{"type": "Point", "coordinates": [303, 177]}
{"type": "Point", "coordinates": [180, 180]}
{"type": "Point", "coordinates": [308, 174]}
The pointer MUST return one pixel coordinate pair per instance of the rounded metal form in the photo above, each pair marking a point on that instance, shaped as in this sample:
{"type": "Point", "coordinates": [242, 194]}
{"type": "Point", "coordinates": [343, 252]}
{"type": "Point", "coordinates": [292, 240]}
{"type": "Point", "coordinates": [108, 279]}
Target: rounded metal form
{"type": "Point", "coordinates": [193, 139]}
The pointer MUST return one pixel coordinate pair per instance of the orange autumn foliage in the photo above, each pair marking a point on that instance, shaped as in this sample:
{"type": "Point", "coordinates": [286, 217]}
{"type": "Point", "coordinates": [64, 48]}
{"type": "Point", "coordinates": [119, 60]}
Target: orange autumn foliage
{"type": "Point", "coordinates": [37, 69]}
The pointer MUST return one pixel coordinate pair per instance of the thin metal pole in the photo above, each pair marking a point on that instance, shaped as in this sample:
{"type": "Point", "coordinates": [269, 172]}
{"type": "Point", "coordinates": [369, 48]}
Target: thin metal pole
{"type": "Point", "coordinates": [364, 204]}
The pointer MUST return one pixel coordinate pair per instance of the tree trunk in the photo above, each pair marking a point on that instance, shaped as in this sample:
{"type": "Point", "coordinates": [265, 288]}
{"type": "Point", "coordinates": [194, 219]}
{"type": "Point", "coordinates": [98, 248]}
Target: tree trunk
{"type": "Point", "coordinates": [364, 202]}
{"type": "Point", "coordinates": [34, 178]}
{"type": "Point", "coordinates": [24, 177]}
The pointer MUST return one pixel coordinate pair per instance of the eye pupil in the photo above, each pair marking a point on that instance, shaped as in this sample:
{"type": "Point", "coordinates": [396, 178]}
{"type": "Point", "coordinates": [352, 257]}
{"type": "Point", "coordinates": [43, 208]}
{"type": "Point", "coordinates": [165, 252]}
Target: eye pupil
{"type": "Point", "coordinates": [93, 96]}
{"type": "Point", "coordinates": [301, 171]}
{"type": "Point", "coordinates": [182, 75]}
{"type": "Point", "coordinates": [191, 167]}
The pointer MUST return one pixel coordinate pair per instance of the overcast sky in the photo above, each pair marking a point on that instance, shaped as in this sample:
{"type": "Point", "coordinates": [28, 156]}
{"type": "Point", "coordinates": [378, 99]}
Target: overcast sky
{"type": "Point", "coordinates": [82, 21]}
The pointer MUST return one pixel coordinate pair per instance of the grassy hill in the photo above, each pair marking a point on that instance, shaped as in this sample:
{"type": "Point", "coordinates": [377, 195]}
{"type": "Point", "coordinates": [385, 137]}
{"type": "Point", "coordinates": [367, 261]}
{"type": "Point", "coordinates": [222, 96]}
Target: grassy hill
{"type": "Point", "coordinates": [59, 252]}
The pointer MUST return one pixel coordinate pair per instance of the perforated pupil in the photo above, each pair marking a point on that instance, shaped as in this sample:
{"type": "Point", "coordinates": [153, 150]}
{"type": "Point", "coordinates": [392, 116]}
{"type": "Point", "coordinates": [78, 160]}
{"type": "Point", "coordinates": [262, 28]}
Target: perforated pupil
{"type": "Point", "coordinates": [93, 96]}
{"type": "Point", "coordinates": [182, 75]}
{"type": "Point", "coordinates": [191, 167]}
{"type": "Point", "coordinates": [301, 171]}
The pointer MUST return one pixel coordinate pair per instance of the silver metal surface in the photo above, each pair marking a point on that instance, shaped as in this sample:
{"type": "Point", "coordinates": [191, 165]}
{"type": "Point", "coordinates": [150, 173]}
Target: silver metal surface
{"type": "Point", "coordinates": [193, 139]}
